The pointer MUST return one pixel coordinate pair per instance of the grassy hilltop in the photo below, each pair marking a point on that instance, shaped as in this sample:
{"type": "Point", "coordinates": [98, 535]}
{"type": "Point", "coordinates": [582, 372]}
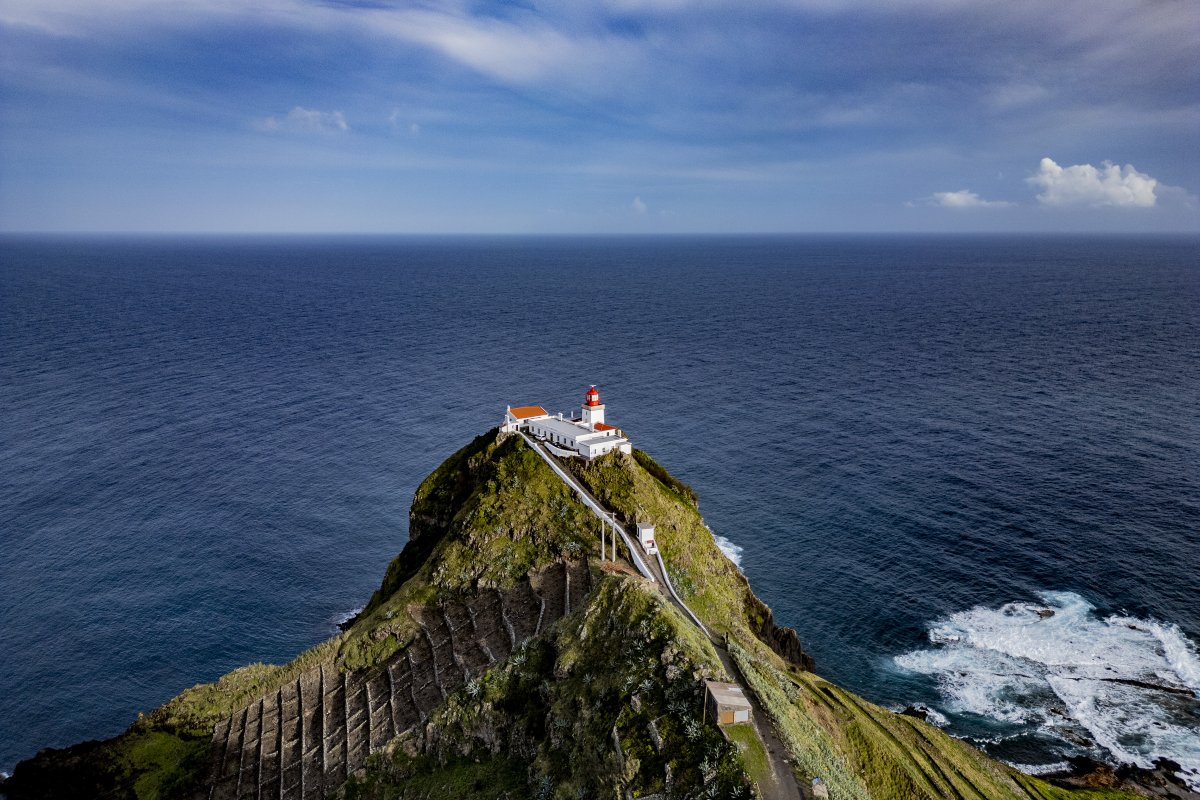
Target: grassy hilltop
{"type": "Point", "coordinates": [605, 701]}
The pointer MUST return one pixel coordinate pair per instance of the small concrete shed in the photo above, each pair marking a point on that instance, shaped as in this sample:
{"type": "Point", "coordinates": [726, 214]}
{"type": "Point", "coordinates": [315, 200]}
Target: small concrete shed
{"type": "Point", "coordinates": [726, 703]}
{"type": "Point", "coordinates": [646, 537]}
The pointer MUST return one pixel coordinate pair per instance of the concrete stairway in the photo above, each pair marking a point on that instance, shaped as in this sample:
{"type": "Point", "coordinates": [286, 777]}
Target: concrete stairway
{"type": "Point", "coordinates": [302, 741]}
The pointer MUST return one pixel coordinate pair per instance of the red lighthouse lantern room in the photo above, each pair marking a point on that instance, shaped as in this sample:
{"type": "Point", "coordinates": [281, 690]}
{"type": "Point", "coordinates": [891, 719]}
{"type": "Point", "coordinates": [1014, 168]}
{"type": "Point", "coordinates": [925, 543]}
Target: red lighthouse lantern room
{"type": "Point", "coordinates": [593, 397]}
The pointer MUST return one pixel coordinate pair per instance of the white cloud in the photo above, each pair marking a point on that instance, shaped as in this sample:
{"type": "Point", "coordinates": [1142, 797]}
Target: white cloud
{"type": "Point", "coordinates": [1086, 185]}
{"type": "Point", "coordinates": [304, 120]}
{"type": "Point", "coordinates": [638, 205]}
{"type": "Point", "coordinates": [524, 50]}
{"type": "Point", "coordinates": [964, 198]}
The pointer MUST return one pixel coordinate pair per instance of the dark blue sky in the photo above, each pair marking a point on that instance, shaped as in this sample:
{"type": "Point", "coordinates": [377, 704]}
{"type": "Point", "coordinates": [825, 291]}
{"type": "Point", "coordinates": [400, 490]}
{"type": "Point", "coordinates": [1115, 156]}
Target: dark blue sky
{"type": "Point", "coordinates": [614, 116]}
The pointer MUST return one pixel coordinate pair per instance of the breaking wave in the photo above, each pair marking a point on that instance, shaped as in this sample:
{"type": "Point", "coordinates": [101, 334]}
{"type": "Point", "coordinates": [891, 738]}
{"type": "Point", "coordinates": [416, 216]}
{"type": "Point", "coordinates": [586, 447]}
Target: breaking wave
{"type": "Point", "coordinates": [341, 619]}
{"type": "Point", "coordinates": [732, 551]}
{"type": "Point", "coordinates": [932, 715]}
{"type": "Point", "coordinates": [1058, 767]}
{"type": "Point", "coordinates": [1127, 686]}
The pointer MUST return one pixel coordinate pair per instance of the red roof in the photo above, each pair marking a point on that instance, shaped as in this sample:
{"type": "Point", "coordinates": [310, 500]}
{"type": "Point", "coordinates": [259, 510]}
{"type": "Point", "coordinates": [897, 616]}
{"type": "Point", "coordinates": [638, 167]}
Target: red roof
{"type": "Point", "coordinates": [600, 426]}
{"type": "Point", "coordinates": [525, 412]}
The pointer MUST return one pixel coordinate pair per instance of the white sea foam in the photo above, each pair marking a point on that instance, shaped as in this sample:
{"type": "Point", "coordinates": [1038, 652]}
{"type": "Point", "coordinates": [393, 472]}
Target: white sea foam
{"type": "Point", "coordinates": [932, 715]}
{"type": "Point", "coordinates": [1180, 652]}
{"type": "Point", "coordinates": [732, 551]}
{"type": "Point", "coordinates": [935, 717]}
{"type": "Point", "coordinates": [1130, 686]}
{"type": "Point", "coordinates": [1043, 769]}
{"type": "Point", "coordinates": [344, 617]}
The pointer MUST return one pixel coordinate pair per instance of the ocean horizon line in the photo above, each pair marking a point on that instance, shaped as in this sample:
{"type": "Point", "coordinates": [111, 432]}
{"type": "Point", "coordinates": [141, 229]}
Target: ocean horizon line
{"type": "Point", "coordinates": [638, 236]}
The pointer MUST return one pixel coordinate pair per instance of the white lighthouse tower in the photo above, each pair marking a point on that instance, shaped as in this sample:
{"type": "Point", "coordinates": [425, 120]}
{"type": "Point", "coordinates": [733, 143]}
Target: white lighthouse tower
{"type": "Point", "coordinates": [593, 409]}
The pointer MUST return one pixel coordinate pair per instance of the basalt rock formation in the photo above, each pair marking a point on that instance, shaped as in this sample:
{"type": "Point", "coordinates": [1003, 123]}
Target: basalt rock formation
{"type": "Point", "coordinates": [784, 641]}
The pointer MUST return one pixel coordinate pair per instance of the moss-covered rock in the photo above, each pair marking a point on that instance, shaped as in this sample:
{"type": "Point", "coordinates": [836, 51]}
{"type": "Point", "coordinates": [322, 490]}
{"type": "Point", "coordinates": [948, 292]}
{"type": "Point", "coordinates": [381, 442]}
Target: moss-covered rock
{"type": "Point", "coordinates": [144, 763]}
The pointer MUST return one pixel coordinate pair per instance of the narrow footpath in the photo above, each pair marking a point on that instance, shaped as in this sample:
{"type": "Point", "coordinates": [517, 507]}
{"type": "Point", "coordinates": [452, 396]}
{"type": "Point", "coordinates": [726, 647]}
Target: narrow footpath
{"type": "Point", "coordinates": [783, 785]}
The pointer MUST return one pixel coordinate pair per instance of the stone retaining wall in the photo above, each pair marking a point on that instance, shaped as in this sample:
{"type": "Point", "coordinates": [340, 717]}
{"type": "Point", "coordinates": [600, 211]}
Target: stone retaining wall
{"type": "Point", "coordinates": [302, 741]}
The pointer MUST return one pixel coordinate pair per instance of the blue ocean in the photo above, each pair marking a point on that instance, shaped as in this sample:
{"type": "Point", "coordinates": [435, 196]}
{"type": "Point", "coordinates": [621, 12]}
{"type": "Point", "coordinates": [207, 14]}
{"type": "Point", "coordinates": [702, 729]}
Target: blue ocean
{"type": "Point", "coordinates": [965, 469]}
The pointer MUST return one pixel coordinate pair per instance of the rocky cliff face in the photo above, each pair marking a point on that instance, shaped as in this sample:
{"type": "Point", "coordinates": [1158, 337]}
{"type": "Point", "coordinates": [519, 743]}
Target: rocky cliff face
{"type": "Point", "coordinates": [501, 658]}
{"type": "Point", "coordinates": [784, 641]}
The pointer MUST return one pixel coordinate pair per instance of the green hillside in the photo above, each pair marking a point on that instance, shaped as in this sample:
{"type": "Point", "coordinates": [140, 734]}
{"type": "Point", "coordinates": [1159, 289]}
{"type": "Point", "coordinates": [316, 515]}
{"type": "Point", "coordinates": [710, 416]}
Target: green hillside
{"type": "Point", "coordinates": [547, 674]}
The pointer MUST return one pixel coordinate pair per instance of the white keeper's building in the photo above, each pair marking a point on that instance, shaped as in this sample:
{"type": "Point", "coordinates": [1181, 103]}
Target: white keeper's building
{"type": "Point", "coordinates": [587, 435]}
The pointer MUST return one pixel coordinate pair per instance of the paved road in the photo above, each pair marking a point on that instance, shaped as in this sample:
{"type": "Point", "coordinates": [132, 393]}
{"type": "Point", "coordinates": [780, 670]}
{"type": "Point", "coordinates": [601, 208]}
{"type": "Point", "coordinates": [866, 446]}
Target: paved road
{"type": "Point", "coordinates": [783, 780]}
{"type": "Point", "coordinates": [783, 785]}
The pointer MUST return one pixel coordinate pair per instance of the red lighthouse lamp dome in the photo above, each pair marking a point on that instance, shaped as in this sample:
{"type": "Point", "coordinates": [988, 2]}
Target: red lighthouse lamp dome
{"type": "Point", "coordinates": [593, 397]}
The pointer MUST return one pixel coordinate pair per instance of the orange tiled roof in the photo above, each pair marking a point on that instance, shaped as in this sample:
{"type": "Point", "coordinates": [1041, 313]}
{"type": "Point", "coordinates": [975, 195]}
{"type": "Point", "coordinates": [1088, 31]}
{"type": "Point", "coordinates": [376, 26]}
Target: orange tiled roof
{"type": "Point", "coordinates": [600, 426]}
{"type": "Point", "coordinates": [525, 412]}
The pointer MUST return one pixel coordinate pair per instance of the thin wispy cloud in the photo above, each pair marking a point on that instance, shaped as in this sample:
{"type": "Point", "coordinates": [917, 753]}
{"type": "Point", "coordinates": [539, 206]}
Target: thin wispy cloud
{"type": "Point", "coordinates": [304, 120]}
{"type": "Point", "coordinates": [517, 51]}
{"type": "Point", "coordinates": [398, 123]}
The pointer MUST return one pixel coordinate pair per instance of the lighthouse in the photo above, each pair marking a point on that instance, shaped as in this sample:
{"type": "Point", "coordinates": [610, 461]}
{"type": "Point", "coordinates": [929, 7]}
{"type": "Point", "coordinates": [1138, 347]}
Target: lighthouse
{"type": "Point", "coordinates": [593, 409]}
{"type": "Point", "coordinates": [584, 435]}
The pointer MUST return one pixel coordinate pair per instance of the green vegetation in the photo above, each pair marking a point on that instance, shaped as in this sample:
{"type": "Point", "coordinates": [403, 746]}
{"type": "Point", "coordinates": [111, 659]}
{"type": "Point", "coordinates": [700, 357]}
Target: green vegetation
{"type": "Point", "coordinates": [142, 764]}
{"type": "Point", "coordinates": [866, 752]}
{"type": "Point", "coordinates": [706, 580]}
{"type": "Point", "coordinates": [754, 754]}
{"type": "Point", "coordinates": [400, 776]}
{"type": "Point", "coordinates": [488, 516]}
{"type": "Point", "coordinates": [163, 765]}
{"type": "Point", "coordinates": [1038, 789]}
{"type": "Point", "coordinates": [194, 711]}
{"type": "Point", "coordinates": [637, 488]}
{"type": "Point", "coordinates": [681, 489]}
{"type": "Point", "coordinates": [624, 668]}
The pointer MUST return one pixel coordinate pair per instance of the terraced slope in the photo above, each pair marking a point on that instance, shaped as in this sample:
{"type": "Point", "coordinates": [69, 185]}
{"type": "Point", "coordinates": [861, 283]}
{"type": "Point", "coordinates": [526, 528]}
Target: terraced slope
{"type": "Point", "coordinates": [305, 739]}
